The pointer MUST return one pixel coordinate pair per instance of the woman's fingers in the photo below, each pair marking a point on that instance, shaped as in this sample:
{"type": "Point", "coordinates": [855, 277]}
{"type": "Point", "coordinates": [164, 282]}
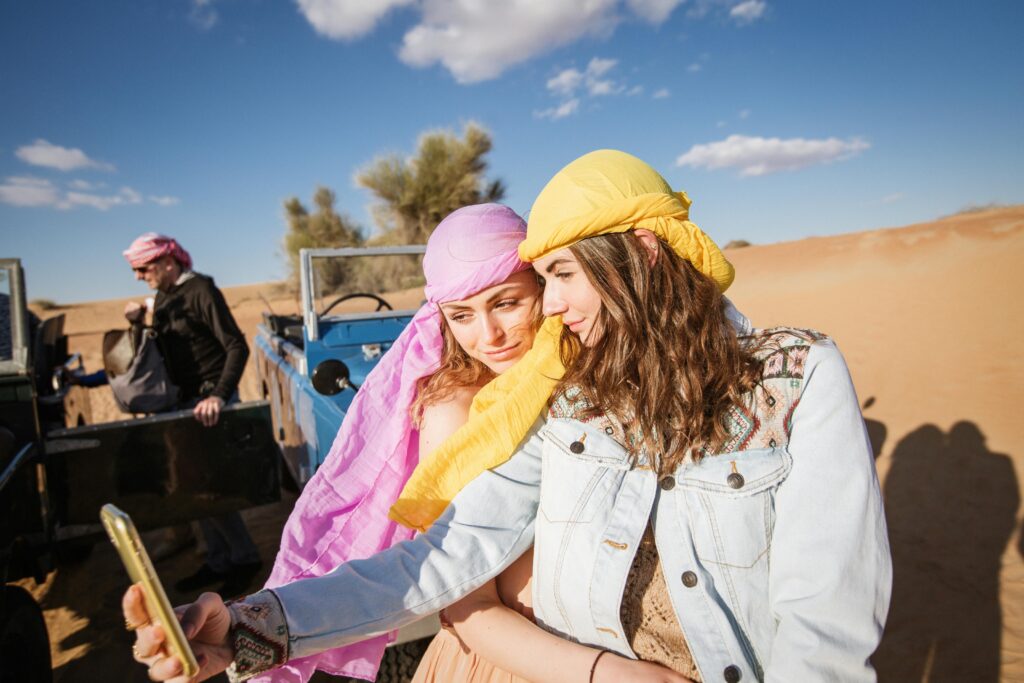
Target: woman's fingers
{"type": "Point", "coordinates": [148, 644]}
{"type": "Point", "coordinates": [165, 669]}
{"type": "Point", "coordinates": [134, 608]}
{"type": "Point", "coordinates": [204, 616]}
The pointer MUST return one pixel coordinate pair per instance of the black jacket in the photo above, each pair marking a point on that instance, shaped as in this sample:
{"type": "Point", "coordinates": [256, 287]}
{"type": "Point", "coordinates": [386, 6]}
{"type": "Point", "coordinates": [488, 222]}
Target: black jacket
{"type": "Point", "coordinates": [203, 348]}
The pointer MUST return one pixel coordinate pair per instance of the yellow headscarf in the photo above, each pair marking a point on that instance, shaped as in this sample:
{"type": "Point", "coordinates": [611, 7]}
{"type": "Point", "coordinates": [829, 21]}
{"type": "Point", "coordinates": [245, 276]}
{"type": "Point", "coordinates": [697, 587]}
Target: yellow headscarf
{"type": "Point", "coordinates": [608, 191]}
{"type": "Point", "coordinates": [602, 192]}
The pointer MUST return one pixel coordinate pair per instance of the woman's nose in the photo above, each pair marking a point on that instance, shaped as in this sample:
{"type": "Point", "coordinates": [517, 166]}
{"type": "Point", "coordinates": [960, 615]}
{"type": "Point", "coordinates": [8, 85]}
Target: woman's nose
{"type": "Point", "coordinates": [493, 332]}
{"type": "Point", "coordinates": [553, 304]}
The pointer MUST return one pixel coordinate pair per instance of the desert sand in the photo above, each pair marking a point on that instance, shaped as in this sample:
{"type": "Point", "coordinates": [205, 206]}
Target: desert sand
{"type": "Point", "coordinates": [928, 319]}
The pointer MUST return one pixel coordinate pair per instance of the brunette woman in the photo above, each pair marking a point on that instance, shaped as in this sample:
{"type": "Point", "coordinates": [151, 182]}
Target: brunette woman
{"type": "Point", "coordinates": [708, 499]}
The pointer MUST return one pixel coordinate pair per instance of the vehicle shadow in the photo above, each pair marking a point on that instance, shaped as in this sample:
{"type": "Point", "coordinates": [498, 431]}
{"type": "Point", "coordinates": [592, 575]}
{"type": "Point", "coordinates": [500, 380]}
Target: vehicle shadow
{"type": "Point", "coordinates": [951, 508]}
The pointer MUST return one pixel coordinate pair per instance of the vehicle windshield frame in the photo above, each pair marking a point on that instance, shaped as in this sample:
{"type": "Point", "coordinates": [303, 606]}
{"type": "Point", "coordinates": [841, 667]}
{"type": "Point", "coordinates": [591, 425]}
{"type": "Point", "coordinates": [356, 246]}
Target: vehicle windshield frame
{"type": "Point", "coordinates": [310, 316]}
{"type": "Point", "coordinates": [18, 363]}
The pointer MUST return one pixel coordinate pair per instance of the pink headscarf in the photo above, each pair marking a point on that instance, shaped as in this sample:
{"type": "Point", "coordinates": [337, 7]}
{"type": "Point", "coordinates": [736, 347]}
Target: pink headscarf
{"type": "Point", "coordinates": [342, 513]}
{"type": "Point", "coordinates": [151, 246]}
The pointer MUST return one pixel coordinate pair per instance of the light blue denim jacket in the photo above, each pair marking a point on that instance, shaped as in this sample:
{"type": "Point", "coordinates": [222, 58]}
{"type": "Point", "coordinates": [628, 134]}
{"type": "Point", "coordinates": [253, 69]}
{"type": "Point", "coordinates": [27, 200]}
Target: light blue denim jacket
{"type": "Point", "coordinates": [784, 578]}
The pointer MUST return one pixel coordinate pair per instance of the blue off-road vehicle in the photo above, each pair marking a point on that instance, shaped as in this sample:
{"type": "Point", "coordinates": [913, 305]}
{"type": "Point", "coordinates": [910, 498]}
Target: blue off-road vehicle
{"type": "Point", "coordinates": [355, 303]}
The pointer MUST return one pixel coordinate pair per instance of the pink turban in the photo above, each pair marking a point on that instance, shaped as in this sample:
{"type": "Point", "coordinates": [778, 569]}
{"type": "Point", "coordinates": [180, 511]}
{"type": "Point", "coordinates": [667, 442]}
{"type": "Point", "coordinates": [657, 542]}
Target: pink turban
{"type": "Point", "coordinates": [151, 246]}
{"type": "Point", "coordinates": [342, 513]}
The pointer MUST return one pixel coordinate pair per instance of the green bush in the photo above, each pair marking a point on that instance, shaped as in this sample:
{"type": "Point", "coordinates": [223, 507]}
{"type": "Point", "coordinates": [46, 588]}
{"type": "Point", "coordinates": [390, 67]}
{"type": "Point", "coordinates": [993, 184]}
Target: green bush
{"type": "Point", "coordinates": [44, 304]}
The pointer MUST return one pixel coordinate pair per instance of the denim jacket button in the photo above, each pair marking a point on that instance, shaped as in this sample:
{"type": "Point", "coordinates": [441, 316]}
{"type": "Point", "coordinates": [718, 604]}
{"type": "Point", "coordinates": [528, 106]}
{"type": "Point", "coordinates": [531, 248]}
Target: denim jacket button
{"type": "Point", "coordinates": [689, 579]}
{"type": "Point", "coordinates": [736, 481]}
{"type": "Point", "coordinates": [576, 447]}
{"type": "Point", "coordinates": [667, 483]}
{"type": "Point", "coordinates": [732, 674]}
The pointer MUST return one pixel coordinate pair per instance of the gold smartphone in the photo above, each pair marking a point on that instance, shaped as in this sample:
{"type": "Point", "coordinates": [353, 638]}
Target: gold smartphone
{"type": "Point", "coordinates": [133, 554]}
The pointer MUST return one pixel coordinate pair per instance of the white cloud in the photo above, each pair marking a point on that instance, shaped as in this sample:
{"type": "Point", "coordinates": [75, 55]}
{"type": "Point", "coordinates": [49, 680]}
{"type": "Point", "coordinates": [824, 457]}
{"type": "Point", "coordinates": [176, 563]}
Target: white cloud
{"type": "Point", "coordinates": [755, 156]}
{"type": "Point", "coordinates": [347, 19]}
{"type": "Point", "coordinates": [203, 15]}
{"type": "Point", "coordinates": [44, 153]}
{"type": "Point", "coordinates": [635, 90]}
{"type": "Point", "coordinates": [559, 112]}
{"type": "Point", "coordinates": [744, 114]}
{"type": "Point", "coordinates": [743, 12]}
{"type": "Point", "coordinates": [599, 67]}
{"type": "Point", "coordinates": [94, 200]}
{"type": "Point", "coordinates": [131, 196]}
{"type": "Point", "coordinates": [28, 191]}
{"type": "Point", "coordinates": [694, 68]}
{"type": "Point", "coordinates": [892, 198]}
{"type": "Point", "coordinates": [661, 93]}
{"type": "Point", "coordinates": [124, 197]}
{"type": "Point", "coordinates": [598, 88]}
{"type": "Point", "coordinates": [477, 41]}
{"type": "Point", "coordinates": [166, 200]}
{"type": "Point", "coordinates": [654, 11]}
{"type": "Point", "coordinates": [748, 11]}
{"type": "Point", "coordinates": [566, 82]}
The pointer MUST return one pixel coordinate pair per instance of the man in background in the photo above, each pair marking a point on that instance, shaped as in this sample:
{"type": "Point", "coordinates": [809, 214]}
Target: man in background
{"type": "Point", "coordinates": [205, 354]}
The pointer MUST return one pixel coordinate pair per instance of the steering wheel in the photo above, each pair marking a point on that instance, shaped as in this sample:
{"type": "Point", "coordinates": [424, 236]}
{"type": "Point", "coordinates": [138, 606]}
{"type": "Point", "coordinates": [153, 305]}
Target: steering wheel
{"type": "Point", "coordinates": [381, 303]}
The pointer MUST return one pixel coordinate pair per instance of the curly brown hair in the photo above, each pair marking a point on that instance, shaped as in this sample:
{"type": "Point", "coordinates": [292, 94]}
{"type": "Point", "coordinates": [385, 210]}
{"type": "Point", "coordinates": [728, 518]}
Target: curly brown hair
{"type": "Point", "coordinates": [668, 364]}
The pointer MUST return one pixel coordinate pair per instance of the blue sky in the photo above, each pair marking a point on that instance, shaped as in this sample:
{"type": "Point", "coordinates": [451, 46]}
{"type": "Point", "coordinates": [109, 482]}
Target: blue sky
{"type": "Point", "coordinates": [198, 118]}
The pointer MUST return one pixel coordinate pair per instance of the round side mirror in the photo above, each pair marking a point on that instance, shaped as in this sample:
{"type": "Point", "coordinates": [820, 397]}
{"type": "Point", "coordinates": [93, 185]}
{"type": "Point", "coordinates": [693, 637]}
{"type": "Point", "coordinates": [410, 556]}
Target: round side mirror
{"type": "Point", "coordinates": [330, 377]}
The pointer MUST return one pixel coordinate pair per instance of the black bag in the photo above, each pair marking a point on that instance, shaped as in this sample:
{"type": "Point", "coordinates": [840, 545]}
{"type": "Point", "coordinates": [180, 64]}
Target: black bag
{"type": "Point", "coordinates": [136, 372]}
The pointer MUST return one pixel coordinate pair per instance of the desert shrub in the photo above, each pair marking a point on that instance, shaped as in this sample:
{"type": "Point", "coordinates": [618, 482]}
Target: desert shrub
{"type": "Point", "coordinates": [44, 304]}
{"type": "Point", "coordinates": [413, 195]}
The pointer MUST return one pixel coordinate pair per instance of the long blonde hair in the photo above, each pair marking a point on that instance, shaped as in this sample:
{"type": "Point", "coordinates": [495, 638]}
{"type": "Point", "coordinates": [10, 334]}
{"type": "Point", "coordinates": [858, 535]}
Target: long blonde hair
{"type": "Point", "coordinates": [668, 364]}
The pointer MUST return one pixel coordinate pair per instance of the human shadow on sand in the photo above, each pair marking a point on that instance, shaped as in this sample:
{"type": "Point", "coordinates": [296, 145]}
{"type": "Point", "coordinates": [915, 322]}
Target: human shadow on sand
{"type": "Point", "coordinates": [951, 508]}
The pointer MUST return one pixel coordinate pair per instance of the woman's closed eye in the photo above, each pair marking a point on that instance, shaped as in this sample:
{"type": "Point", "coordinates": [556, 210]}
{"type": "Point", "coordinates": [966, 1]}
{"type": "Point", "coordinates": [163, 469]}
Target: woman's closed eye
{"type": "Point", "coordinates": [506, 304]}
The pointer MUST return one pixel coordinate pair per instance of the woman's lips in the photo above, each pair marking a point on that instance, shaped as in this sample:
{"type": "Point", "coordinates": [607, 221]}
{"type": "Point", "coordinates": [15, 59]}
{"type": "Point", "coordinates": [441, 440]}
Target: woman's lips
{"type": "Point", "coordinates": [504, 353]}
{"type": "Point", "coordinates": [574, 326]}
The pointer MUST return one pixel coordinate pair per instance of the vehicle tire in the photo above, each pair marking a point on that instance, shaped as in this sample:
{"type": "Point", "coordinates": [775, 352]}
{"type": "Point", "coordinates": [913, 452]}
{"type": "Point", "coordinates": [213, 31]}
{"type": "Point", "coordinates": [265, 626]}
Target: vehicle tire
{"type": "Point", "coordinates": [24, 643]}
{"type": "Point", "coordinates": [399, 663]}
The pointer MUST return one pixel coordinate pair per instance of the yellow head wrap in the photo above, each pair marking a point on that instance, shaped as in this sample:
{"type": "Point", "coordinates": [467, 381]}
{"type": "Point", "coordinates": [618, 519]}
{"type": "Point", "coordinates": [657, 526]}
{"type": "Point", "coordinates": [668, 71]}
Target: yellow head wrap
{"type": "Point", "coordinates": [608, 191]}
{"type": "Point", "coordinates": [603, 192]}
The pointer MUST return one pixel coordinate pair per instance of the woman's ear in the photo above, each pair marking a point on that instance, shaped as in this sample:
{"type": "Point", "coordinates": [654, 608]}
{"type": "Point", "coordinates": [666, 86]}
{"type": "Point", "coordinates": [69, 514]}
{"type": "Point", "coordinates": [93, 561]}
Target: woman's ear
{"type": "Point", "coordinates": [650, 242]}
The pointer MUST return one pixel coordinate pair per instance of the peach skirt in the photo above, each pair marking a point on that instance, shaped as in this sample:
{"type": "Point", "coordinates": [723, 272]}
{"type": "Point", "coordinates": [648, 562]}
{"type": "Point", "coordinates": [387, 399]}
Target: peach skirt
{"type": "Point", "coordinates": [448, 660]}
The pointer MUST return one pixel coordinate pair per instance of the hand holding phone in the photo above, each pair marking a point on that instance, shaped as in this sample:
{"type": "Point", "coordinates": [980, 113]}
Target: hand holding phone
{"type": "Point", "coordinates": [206, 623]}
{"type": "Point", "coordinates": [156, 608]}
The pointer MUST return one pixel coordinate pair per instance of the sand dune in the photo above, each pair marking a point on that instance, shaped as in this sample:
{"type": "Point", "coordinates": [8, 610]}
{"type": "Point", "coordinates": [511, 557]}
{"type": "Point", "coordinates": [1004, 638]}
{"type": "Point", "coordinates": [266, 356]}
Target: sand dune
{"type": "Point", "coordinates": [929, 320]}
